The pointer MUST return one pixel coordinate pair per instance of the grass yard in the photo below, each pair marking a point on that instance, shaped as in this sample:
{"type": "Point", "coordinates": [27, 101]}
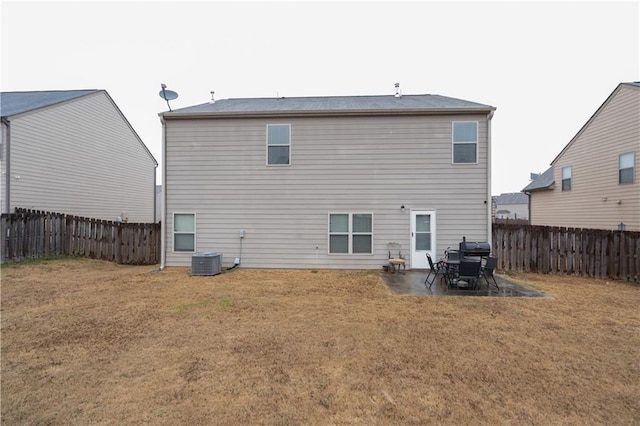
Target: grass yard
{"type": "Point", "coordinates": [91, 342]}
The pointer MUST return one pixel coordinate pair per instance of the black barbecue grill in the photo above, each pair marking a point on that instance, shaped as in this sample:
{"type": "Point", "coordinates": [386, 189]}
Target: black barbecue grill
{"type": "Point", "coordinates": [474, 248]}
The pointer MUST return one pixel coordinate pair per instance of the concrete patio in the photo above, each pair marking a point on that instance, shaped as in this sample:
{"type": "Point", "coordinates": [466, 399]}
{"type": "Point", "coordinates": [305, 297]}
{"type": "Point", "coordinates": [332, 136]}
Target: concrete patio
{"type": "Point", "coordinates": [412, 283]}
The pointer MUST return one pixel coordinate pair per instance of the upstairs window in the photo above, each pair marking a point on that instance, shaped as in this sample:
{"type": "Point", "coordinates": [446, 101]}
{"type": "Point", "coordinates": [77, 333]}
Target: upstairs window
{"type": "Point", "coordinates": [625, 167]}
{"type": "Point", "coordinates": [465, 142]}
{"type": "Point", "coordinates": [566, 178]}
{"type": "Point", "coordinates": [350, 233]}
{"type": "Point", "coordinates": [278, 144]}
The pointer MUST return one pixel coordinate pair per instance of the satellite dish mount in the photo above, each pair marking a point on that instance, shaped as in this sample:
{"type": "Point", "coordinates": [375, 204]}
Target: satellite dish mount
{"type": "Point", "coordinates": [167, 95]}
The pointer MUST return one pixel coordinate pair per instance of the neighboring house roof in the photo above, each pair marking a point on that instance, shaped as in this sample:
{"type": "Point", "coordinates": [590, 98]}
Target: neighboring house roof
{"type": "Point", "coordinates": [13, 103]}
{"type": "Point", "coordinates": [544, 181]}
{"type": "Point", "coordinates": [634, 84]}
{"type": "Point", "coordinates": [329, 105]}
{"type": "Point", "coordinates": [512, 198]}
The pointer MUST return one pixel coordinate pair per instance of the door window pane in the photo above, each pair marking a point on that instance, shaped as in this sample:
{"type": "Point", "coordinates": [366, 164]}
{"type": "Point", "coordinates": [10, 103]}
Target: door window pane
{"type": "Point", "coordinates": [423, 241]}
{"type": "Point", "coordinates": [423, 223]}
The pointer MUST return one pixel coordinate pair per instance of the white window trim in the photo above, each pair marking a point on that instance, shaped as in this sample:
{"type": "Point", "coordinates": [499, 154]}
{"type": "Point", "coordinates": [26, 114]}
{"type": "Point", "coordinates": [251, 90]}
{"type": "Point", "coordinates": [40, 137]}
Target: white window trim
{"type": "Point", "coordinates": [266, 141]}
{"type": "Point", "coordinates": [453, 142]}
{"type": "Point", "coordinates": [173, 233]}
{"type": "Point", "coordinates": [349, 234]}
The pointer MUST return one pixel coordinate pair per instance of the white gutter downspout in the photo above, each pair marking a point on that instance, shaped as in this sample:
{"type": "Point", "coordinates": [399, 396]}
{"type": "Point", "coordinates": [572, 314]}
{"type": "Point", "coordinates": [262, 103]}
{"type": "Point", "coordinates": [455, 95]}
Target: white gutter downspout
{"type": "Point", "coordinates": [489, 203]}
{"type": "Point", "coordinates": [7, 166]}
{"type": "Point", "coordinates": [163, 198]}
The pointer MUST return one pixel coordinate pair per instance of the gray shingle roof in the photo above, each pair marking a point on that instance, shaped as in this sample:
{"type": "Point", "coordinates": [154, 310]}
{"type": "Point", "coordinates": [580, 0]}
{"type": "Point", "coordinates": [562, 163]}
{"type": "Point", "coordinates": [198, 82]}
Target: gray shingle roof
{"type": "Point", "coordinates": [512, 198]}
{"type": "Point", "coordinates": [12, 103]}
{"type": "Point", "coordinates": [329, 104]}
{"type": "Point", "coordinates": [544, 181]}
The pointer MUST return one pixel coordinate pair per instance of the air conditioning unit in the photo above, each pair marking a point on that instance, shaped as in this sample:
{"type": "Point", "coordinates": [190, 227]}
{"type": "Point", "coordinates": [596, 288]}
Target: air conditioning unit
{"type": "Point", "coordinates": [206, 263]}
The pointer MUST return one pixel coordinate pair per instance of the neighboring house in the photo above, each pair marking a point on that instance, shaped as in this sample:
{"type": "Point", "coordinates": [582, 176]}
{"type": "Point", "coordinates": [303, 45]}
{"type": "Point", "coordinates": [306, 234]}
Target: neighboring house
{"type": "Point", "coordinates": [594, 182]}
{"type": "Point", "coordinates": [325, 182]}
{"type": "Point", "coordinates": [512, 205]}
{"type": "Point", "coordinates": [74, 152]}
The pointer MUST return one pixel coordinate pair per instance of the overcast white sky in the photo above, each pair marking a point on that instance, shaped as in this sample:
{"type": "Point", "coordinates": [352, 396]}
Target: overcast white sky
{"type": "Point", "coordinates": [545, 66]}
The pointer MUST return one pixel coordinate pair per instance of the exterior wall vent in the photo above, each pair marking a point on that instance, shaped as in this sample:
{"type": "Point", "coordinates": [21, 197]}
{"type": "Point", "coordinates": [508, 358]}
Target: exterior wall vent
{"type": "Point", "coordinates": [206, 264]}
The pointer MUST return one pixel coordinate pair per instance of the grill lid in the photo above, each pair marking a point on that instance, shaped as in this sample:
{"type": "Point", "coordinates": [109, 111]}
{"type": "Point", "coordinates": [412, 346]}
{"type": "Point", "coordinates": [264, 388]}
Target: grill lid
{"type": "Point", "coordinates": [474, 247]}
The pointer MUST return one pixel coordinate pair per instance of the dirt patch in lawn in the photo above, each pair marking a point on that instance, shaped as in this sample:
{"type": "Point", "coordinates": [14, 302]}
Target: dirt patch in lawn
{"type": "Point", "coordinates": [93, 342]}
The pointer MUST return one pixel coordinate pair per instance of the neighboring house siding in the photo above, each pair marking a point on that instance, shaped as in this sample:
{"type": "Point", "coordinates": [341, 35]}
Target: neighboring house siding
{"type": "Point", "coordinates": [82, 158]}
{"type": "Point", "coordinates": [216, 168]}
{"type": "Point", "coordinates": [593, 199]}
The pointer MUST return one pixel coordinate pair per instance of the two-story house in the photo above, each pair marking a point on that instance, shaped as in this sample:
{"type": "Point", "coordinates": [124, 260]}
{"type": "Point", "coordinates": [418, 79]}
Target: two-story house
{"type": "Point", "coordinates": [74, 152]}
{"type": "Point", "coordinates": [325, 182]}
{"type": "Point", "coordinates": [594, 181]}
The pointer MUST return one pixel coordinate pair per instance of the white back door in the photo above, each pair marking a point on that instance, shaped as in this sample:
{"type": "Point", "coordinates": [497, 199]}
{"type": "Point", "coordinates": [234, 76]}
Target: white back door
{"type": "Point", "coordinates": [423, 238]}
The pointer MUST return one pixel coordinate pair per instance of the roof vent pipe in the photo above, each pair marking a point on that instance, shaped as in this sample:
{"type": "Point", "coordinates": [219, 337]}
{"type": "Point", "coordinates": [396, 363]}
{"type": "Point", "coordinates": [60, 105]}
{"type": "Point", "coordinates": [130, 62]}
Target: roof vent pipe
{"type": "Point", "coordinates": [212, 101]}
{"type": "Point", "coordinates": [398, 91]}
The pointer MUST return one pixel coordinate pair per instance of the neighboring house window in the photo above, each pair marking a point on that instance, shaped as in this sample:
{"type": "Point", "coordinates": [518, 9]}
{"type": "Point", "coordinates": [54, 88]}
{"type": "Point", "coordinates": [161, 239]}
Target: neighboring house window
{"type": "Point", "coordinates": [465, 142]}
{"type": "Point", "coordinates": [566, 178]}
{"type": "Point", "coordinates": [278, 144]}
{"type": "Point", "coordinates": [350, 233]}
{"type": "Point", "coordinates": [625, 167]}
{"type": "Point", "coordinates": [184, 232]}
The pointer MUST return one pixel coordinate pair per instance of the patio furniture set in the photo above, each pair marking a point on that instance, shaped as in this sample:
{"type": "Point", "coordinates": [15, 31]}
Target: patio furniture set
{"type": "Point", "coordinates": [464, 268]}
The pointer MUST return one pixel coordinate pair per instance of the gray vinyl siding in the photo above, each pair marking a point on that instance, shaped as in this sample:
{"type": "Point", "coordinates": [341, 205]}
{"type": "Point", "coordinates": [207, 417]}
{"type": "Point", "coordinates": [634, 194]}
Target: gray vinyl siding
{"type": "Point", "coordinates": [82, 158]}
{"type": "Point", "coordinates": [593, 157]}
{"type": "Point", "coordinates": [217, 169]}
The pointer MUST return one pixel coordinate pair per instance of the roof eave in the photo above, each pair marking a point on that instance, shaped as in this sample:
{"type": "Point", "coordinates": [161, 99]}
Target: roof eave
{"type": "Point", "coordinates": [325, 113]}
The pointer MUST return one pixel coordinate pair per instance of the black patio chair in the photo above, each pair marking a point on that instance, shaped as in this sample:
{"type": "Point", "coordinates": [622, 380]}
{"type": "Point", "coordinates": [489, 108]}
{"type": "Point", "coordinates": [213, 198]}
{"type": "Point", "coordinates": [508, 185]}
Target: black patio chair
{"type": "Point", "coordinates": [487, 270]}
{"type": "Point", "coordinates": [436, 269]}
{"type": "Point", "coordinates": [469, 272]}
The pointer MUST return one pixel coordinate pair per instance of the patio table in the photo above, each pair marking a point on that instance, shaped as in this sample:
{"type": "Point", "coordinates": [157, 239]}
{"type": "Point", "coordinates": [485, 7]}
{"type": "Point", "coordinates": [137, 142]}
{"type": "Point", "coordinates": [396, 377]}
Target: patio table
{"type": "Point", "coordinates": [452, 277]}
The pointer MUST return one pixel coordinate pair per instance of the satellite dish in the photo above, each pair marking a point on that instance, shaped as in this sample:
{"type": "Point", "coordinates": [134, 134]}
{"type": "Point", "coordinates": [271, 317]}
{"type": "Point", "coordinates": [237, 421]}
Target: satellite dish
{"type": "Point", "coordinates": [167, 95]}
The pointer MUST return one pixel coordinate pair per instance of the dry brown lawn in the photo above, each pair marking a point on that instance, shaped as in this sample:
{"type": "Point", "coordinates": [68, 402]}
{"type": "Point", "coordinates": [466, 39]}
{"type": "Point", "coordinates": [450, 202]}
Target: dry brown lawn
{"type": "Point", "coordinates": [90, 342]}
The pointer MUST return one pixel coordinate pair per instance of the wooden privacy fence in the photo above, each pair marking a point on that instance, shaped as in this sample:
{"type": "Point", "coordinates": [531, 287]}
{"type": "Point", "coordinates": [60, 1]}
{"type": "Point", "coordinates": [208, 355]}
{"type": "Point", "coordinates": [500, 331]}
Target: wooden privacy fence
{"type": "Point", "coordinates": [587, 252]}
{"type": "Point", "coordinates": [28, 234]}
